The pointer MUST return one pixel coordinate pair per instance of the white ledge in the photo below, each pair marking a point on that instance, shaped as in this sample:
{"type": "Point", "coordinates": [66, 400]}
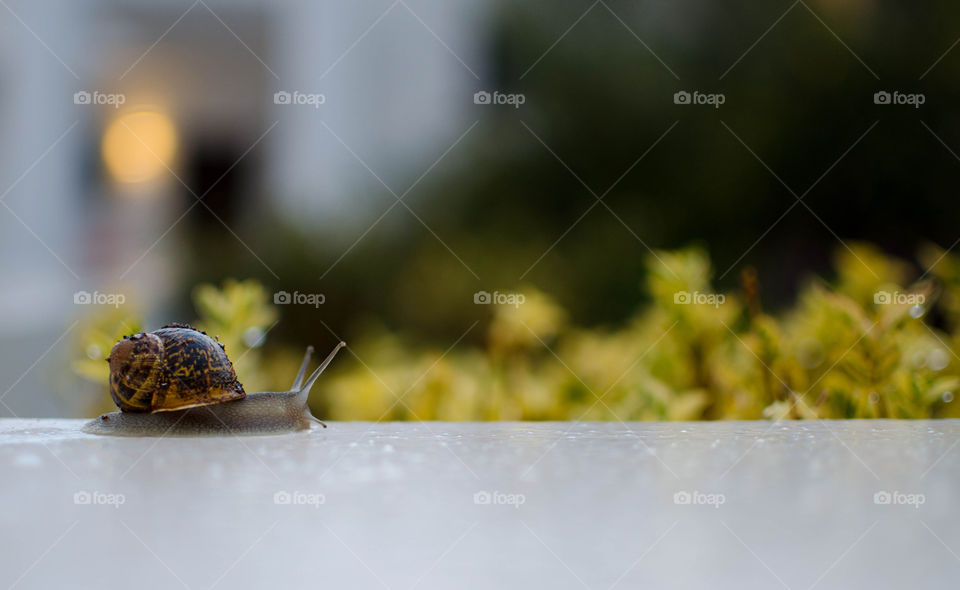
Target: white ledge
{"type": "Point", "coordinates": [486, 505]}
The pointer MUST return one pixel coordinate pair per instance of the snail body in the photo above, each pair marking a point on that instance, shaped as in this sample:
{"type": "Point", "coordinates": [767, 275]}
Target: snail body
{"type": "Point", "coordinates": [178, 381]}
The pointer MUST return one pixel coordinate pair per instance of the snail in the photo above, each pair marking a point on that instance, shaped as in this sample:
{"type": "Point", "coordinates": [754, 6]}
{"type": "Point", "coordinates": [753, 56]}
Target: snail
{"type": "Point", "coordinates": [177, 381]}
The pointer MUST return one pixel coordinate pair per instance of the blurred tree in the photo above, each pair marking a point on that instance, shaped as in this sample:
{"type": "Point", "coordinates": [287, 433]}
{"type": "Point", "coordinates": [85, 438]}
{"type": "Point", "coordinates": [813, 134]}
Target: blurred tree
{"type": "Point", "coordinates": [798, 121]}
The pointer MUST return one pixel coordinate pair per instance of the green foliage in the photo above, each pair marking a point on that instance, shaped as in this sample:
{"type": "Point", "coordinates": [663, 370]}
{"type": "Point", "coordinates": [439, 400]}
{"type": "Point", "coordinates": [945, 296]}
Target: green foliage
{"type": "Point", "coordinates": [239, 314]}
{"type": "Point", "coordinates": [837, 354]}
{"type": "Point", "coordinates": [842, 351]}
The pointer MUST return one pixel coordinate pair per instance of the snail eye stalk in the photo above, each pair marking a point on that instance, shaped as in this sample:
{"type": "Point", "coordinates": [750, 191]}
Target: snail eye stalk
{"type": "Point", "coordinates": [298, 382]}
{"type": "Point", "coordinates": [304, 391]}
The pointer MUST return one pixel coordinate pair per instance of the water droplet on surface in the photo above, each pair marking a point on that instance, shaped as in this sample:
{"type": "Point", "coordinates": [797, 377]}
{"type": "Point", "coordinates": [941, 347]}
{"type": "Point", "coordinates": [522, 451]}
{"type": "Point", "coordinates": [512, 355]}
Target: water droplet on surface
{"type": "Point", "coordinates": [917, 311]}
{"type": "Point", "coordinates": [937, 359]}
{"type": "Point", "coordinates": [94, 352]}
{"type": "Point", "coordinates": [254, 337]}
{"type": "Point", "coordinates": [874, 397]}
{"type": "Point", "coordinates": [947, 396]}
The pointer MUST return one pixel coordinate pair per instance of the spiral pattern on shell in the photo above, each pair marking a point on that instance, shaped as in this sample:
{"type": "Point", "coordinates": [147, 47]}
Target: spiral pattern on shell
{"type": "Point", "coordinates": [173, 368]}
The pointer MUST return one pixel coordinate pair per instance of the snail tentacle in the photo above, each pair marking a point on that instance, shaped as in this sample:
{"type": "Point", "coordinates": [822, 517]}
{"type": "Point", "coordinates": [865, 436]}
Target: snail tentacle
{"type": "Point", "coordinates": [298, 382]}
{"type": "Point", "coordinates": [304, 391]}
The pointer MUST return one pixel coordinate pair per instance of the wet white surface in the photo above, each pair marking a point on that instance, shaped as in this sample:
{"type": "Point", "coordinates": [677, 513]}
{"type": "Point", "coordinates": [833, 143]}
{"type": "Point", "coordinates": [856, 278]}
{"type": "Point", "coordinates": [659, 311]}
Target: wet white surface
{"type": "Point", "coordinates": [495, 505]}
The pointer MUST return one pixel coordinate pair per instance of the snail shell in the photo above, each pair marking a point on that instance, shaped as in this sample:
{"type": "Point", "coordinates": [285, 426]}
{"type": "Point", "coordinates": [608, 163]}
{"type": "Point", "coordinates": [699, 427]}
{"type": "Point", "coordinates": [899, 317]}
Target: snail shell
{"type": "Point", "coordinates": [173, 368]}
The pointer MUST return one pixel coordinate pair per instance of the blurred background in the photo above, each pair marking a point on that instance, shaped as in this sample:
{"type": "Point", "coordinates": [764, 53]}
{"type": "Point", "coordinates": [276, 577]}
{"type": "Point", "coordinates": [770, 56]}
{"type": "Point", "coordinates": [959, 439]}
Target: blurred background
{"type": "Point", "coordinates": [371, 169]}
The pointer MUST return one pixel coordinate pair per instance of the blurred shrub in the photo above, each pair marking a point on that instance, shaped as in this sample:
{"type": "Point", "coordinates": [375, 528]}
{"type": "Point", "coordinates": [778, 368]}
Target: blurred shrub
{"type": "Point", "coordinates": [861, 348]}
{"type": "Point", "coordinates": [866, 346]}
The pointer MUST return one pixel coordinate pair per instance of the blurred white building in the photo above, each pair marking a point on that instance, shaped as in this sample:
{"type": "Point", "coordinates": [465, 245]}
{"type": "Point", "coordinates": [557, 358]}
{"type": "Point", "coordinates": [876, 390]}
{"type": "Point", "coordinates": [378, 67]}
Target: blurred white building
{"type": "Point", "coordinates": [396, 78]}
